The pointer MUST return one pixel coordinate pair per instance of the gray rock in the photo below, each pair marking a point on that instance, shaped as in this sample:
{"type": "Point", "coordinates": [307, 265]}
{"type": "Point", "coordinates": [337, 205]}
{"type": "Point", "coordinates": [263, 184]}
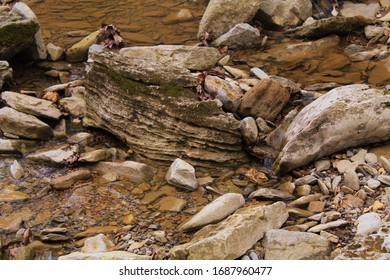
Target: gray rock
{"type": "Point", "coordinates": [189, 57]}
{"type": "Point", "coordinates": [371, 158]}
{"type": "Point", "coordinates": [220, 89]}
{"type": "Point", "coordinates": [322, 165]}
{"type": "Point", "coordinates": [23, 125]}
{"type": "Point", "coordinates": [373, 184]}
{"type": "Point", "coordinates": [323, 187]}
{"type": "Point", "coordinates": [17, 171]}
{"type": "Point", "coordinates": [360, 117]}
{"type": "Point", "coordinates": [114, 255]}
{"type": "Point", "coordinates": [229, 239]}
{"type": "Point", "coordinates": [66, 181]}
{"type": "Point", "coordinates": [134, 171]}
{"type": "Point", "coordinates": [31, 105]}
{"type": "Point", "coordinates": [162, 121]}
{"type": "Point", "coordinates": [385, 179]}
{"type": "Point", "coordinates": [283, 14]}
{"type": "Point", "coordinates": [240, 36]}
{"type": "Point", "coordinates": [55, 52]}
{"type": "Point", "coordinates": [221, 15]}
{"type": "Point", "coordinates": [17, 34]}
{"type": "Point", "coordinates": [289, 245]}
{"type": "Point", "coordinates": [249, 130]}
{"type": "Point", "coordinates": [276, 137]}
{"type": "Point", "coordinates": [5, 73]}
{"type": "Point", "coordinates": [53, 156]}
{"type": "Point", "coordinates": [328, 225]}
{"type": "Point", "coordinates": [215, 211]}
{"type": "Point", "coordinates": [351, 9]}
{"type": "Point", "coordinates": [266, 100]}
{"type": "Point", "coordinates": [351, 180]}
{"type": "Point", "coordinates": [82, 139]}
{"type": "Point", "coordinates": [356, 53]}
{"type": "Point", "coordinates": [359, 156]}
{"type": "Point", "coordinates": [368, 223]}
{"type": "Point", "coordinates": [305, 200]}
{"type": "Point", "coordinates": [182, 174]}
{"type": "Point", "coordinates": [259, 73]}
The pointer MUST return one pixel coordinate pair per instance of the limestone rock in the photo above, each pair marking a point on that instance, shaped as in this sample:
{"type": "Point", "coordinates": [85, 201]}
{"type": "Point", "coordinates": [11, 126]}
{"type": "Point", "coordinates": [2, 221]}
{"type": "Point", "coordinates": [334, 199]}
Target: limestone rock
{"type": "Point", "coordinates": [221, 15]}
{"type": "Point", "coordinates": [97, 244]}
{"type": "Point", "coordinates": [220, 89]}
{"type": "Point", "coordinates": [31, 105]}
{"type": "Point", "coordinates": [182, 174]}
{"type": "Point", "coordinates": [66, 181]}
{"type": "Point", "coordinates": [215, 211]}
{"type": "Point", "coordinates": [5, 73]}
{"type": "Point", "coordinates": [23, 125]}
{"type": "Point", "coordinates": [232, 237]}
{"type": "Point", "coordinates": [368, 223]}
{"type": "Point", "coordinates": [240, 36]}
{"type": "Point", "coordinates": [163, 121]}
{"type": "Point", "coordinates": [281, 244]}
{"type": "Point", "coordinates": [130, 170]}
{"type": "Point", "coordinates": [189, 57]}
{"type": "Point", "coordinates": [79, 51]}
{"type": "Point", "coordinates": [54, 155]}
{"type": "Point", "coordinates": [344, 117]}
{"type": "Point", "coordinates": [114, 255]}
{"type": "Point", "coordinates": [283, 14]}
{"type": "Point", "coordinates": [16, 33]}
{"type": "Point", "coordinates": [266, 100]}
{"type": "Point", "coordinates": [331, 25]}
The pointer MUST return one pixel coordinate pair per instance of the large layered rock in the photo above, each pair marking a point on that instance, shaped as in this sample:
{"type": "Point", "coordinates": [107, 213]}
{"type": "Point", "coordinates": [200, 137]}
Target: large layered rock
{"type": "Point", "coordinates": [161, 121]}
{"type": "Point", "coordinates": [232, 237]}
{"type": "Point", "coordinates": [282, 14]}
{"type": "Point", "coordinates": [5, 72]}
{"type": "Point", "coordinates": [23, 125]}
{"type": "Point", "coordinates": [344, 117]}
{"type": "Point", "coordinates": [31, 105]}
{"type": "Point", "coordinates": [221, 15]}
{"type": "Point", "coordinates": [290, 245]}
{"type": "Point", "coordinates": [190, 57]}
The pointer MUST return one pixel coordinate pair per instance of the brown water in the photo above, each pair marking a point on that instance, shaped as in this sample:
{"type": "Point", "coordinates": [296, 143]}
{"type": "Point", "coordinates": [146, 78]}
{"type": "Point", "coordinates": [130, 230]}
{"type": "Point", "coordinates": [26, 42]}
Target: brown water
{"type": "Point", "coordinates": [143, 22]}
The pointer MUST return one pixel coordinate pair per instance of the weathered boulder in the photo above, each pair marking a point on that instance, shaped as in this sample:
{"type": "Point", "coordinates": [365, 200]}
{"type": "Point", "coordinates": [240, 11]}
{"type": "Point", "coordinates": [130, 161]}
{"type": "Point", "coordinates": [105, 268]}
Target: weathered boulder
{"type": "Point", "coordinates": [31, 105]}
{"type": "Point", "coordinates": [242, 35]}
{"type": "Point", "coordinates": [344, 117]}
{"type": "Point", "coordinates": [221, 15]}
{"type": "Point", "coordinates": [232, 237]}
{"type": "Point", "coordinates": [282, 14]}
{"type": "Point", "coordinates": [134, 171]}
{"type": "Point", "coordinates": [281, 244]}
{"type": "Point", "coordinates": [16, 33]}
{"type": "Point", "coordinates": [331, 25]}
{"type": "Point", "coordinates": [190, 57]}
{"type": "Point", "coordinates": [5, 72]}
{"type": "Point", "coordinates": [216, 211]}
{"type": "Point", "coordinates": [266, 99]}
{"type": "Point", "coordinates": [161, 121]}
{"type": "Point", "coordinates": [23, 125]}
{"type": "Point", "coordinates": [182, 174]}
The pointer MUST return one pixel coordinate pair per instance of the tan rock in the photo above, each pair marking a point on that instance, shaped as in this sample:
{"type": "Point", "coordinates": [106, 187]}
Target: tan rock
{"type": "Point", "coordinates": [65, 182]}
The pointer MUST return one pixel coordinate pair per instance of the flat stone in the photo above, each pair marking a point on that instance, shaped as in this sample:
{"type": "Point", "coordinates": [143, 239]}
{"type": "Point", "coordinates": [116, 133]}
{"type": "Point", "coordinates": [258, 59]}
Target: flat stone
{"type": "Point", "coordinates": [385, 163]}
{"type": "Point", "coordinates": [322, 165]}
{"type": "Point", "coordinates": [97, 244]}
{"type": "Point", "coordinates": [267, 193]}
{"type": "Point", "coordinates": [114, 255]}
{"type": "Point", "coordinates": [323, 188]}
{"type": "Point", "coordinates": [289, 245]}
{"type": "Point", "coordinates": [229, 239]}
{"type": "Point", "coordinates": [55, 52]}
{"type": "Point", "coordinates": [53, 156]}
{"type": "Point", "coordinates": [55, 237]}
{"type": "Point", "coordinates": [182, 174]}
{"type": "Point", "coordinates": [65, 182]}
{"type": "Point", "coordinates": [303, 190]}
{"type": "Point", "coordinates": [23, 125]}
{"type": "Point", "coordinates": [97, 230]}
{"type": "Point", "coordinates": [331, 237]}
{"type": "Point", "coordinates": [299, 212]}
{"type": "Point", "coordinates": [351, 180]}
{"type": "Point", "coordinates": [329, 225]}
{"type": "Point", "coordinates": [152, 197]}
{"type": "Point", "coordinates": [31, 105]}
{"type": "Point", "coordinates": [373, 184]}
{"type": "Point", "coordinates": [82, 138]}
{"type": "Point", "coordinates": [305, 200]}
{"type": "Point", "coordinates": [215, 211]}
{"type": "Point", "coordinates": [372, 31]}
{"type": "Point", "coordinates": [79, 51]}
{"type": "Point", "coordinates": [16, 170]}
{"type": "Point", "coordinates": [259, 73]}
{"type": "Point", "coordinates": [385, 179]}
{"type": "Point", "coordinates": [54, 230]}
{"type": "Point", "coordinates": [13, 146]}
{"type": "Point", "coordinates": [368, 223]}
{"type": "Point", "coordinates": [351, 9]}
{"type": "Point", "coordinates": [316, 206]}
{"type": "Point", "coordinates": [248, 128]}
{"type": "Point", "coordinates": [171, 203]}
{"type": "Point", "coordinates": [130, 170]}
{"type": "Point", "coordinates": [74, 105]}
{"type": "Point", "coordinates": [205, 181]}
{"type": "Point", "coordinates": [306, 180]}
{"type": "Point", "coordinates": [351, 201]}
{"type": "Point", "coordinates": [242, 35]}
{"type": "Point", "coordinates": [98, 155]}
{"type": "Point", "coordinates": [13, 196]}
{"type": "Point", "coordinates": [345, 165]}
{"type": "Point", "coordinates": [189, 57]}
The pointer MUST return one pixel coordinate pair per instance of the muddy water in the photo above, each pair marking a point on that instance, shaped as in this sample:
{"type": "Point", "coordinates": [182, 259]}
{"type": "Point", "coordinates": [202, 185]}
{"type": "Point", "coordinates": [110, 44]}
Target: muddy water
{"type": "Point", "coordinates": [145, 22]}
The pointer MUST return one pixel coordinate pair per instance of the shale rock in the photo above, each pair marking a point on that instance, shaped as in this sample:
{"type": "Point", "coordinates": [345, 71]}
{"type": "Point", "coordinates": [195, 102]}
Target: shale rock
{"type": "Point", "coordinates": [161, 121]}
{"type": "Point", "coordinates": [232, 237]}
{"type": "Point", "coordinates": [131, 170]}
{"type": "Point", "coordinates": [344, 117]}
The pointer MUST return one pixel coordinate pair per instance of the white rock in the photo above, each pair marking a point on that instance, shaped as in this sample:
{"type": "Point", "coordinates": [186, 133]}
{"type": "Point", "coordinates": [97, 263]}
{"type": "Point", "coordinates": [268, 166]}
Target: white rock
{"type": "Point", "coordinates": [55, 53]}
{"type": "Point", "coordinates": [368, 223]}
{"type": "Point", "coordinates": [55, 156]}
{"type": "Point", "coordinates": [329, 225]}
{"type": "Point", "coordinates": [259, 73]}
{"type": "Point", "coordinates": [373, 184]}
{"type": "Point", "coordinates": [182, 174]}
{"type": "Point", "coordinates": [322, 165]}
{"type": "Point", "coordinates": [17, 171]}
{"type": "Point", "coordinates": [215, 211]}
{"type": "Point", "coordinates": [97, 244]}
